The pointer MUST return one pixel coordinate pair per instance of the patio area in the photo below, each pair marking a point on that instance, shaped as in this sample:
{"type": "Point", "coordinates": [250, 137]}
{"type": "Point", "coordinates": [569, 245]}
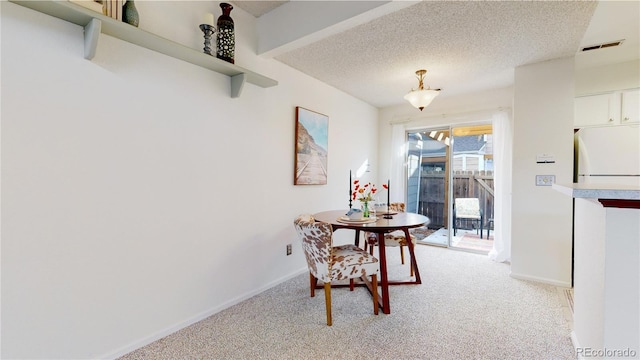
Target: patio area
{"type": "Point", "coordinates": [464, 239]}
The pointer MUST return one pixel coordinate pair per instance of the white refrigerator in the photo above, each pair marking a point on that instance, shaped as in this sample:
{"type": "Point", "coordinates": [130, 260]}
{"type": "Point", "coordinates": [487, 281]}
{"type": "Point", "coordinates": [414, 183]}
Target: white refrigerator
{"type": "Point", "coordinates": [608, 155]}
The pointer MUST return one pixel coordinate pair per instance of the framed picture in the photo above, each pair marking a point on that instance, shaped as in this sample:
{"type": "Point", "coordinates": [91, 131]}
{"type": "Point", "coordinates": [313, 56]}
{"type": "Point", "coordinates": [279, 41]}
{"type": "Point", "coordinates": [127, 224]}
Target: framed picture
{"type": "Point", "coordinates": [312, 139]}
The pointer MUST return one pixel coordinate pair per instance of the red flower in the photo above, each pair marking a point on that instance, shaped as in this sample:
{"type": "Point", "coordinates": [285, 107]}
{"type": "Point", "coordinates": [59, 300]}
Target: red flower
{"type": "Point", "coordinates": [385, 186]}
{"type": "Point", "coordinates": [363, 193]}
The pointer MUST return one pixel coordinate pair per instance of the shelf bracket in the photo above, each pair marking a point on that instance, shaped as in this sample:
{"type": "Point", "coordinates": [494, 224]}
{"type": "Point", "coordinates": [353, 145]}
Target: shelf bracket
{"type": "Point", "coordinates": [91, 34]}
{"type": "Point", "coordinates": [237, 83]}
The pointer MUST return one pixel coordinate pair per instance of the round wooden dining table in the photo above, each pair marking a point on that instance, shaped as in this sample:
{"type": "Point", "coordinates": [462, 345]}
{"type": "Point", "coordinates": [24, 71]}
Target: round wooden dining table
{"type": "Point", "coordinates": [402, 221]}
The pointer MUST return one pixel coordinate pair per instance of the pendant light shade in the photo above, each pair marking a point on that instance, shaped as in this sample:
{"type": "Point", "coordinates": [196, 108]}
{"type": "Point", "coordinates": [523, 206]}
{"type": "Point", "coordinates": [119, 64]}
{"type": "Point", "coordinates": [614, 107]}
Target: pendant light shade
{"type": "Point", "coordinates": [421, 97]}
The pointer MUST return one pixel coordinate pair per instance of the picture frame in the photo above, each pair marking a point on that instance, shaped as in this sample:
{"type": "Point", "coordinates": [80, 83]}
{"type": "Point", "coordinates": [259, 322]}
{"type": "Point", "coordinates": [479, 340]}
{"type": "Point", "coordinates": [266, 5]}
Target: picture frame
{"type": "Point", "coordinates": [311, 147]}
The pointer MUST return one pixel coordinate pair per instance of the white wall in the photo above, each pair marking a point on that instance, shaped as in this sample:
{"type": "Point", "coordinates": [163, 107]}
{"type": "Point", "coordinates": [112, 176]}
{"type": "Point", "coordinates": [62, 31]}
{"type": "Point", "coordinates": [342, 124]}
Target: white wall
{"type": "Point", "coordinates": [542, 217]}
{"type": "Point", "coordinates": [137, 196]}
{"type": "Point", "coordinates": [606, 78]}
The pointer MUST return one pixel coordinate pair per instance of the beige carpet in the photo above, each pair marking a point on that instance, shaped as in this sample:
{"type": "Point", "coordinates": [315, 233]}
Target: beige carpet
{"type": "Point", "coordinates": [468, 307]}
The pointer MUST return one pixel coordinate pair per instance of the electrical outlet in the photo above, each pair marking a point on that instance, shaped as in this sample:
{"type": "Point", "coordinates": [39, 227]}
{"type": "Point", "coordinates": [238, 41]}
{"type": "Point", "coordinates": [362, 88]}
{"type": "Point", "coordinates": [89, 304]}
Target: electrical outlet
{"type": "Point", "coordinates": [288, 249]}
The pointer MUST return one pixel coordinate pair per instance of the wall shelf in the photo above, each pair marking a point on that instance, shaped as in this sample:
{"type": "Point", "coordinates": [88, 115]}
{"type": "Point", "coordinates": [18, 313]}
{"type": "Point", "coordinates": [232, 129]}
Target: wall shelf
{"type": "Point", "coordinates": [94, 24]}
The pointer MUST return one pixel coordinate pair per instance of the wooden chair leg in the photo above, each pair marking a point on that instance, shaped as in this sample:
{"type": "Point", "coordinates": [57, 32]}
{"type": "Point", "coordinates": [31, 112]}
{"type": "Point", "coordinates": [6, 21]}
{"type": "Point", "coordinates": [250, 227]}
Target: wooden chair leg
{"type": "Point", "coordinates": [327, 300]}
{"type": "Point", "coordinates": [374, 285]}
{"type": "Point", "coordinates": [312, 281]}
{"type": "Point", "coordinates": [402, 254]}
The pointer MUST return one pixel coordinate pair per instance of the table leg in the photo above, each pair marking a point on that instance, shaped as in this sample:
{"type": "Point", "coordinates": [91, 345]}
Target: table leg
{"type": "Point", "coordinates": [414, 262]}
{"type": "Point", "coordinates": [357, 240]}
{"type": "Point", "coordinates": [384, 281]}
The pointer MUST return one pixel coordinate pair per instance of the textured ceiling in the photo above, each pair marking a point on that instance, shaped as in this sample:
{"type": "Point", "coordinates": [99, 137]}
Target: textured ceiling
{"type": "Point", "coordinates": [466, 46]}
{"type": "Point", "coordinates": [258, 8]}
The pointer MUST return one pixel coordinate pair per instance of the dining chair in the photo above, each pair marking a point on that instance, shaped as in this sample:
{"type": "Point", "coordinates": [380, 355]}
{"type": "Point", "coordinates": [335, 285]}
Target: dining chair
{"type": "Point", "coordinates": [329, 263]}
{"type": "Point", "coordinates": [395, 238]}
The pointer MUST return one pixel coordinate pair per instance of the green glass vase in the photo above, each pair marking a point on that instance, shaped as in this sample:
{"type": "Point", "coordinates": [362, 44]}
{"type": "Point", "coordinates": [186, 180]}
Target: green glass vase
{"type": "Point", "coordinates": [365, 209]}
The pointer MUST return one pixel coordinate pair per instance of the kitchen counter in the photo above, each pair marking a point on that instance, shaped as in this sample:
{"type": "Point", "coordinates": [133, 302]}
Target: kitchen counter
{"type": "Point", "coordinates": [600, 191]}
{"type": "Point", "coordinates": [606, 273]}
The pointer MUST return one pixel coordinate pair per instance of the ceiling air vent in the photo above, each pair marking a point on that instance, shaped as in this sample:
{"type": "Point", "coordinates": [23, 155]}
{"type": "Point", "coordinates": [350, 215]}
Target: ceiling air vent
{"type": "Point", "coordinates": [602, 46]}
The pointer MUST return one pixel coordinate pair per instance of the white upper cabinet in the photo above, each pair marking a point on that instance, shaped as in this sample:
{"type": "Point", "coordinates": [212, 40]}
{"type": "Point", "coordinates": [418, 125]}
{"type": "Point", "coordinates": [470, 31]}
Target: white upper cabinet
{"type": "Point", "coordinates": [596, 109]}
{"type": "Point", "coordinates": [630, 106]}
{"type": "Point", "coordinates": [616, 108]}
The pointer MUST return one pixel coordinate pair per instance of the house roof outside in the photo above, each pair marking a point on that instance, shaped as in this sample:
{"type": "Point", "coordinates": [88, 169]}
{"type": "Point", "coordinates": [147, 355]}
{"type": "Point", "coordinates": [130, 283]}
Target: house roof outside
{"type": "Point", "coordinates": [425, 146]}
{"type": "Point", "coordinates": [469, 144]}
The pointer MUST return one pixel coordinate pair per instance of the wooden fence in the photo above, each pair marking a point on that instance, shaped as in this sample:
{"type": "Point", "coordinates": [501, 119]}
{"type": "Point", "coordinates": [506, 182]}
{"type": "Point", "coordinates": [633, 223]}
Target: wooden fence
{"type": "Point", "coordinates": [433, 201]}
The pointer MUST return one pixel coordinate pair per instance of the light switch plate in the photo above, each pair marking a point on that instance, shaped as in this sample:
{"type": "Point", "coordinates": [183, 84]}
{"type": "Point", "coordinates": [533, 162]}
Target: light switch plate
{"type": "Point", "coordinates": [545, 180]}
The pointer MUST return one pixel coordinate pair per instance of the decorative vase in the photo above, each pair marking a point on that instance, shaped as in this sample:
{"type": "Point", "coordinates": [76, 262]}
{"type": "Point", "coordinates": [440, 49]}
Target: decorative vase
{"type": "Point", "coordinates": [365, 209]}
{"type": "Point", "coordinates": [130, 13]}
{"type": "Point", "coordinates": [226, 45]}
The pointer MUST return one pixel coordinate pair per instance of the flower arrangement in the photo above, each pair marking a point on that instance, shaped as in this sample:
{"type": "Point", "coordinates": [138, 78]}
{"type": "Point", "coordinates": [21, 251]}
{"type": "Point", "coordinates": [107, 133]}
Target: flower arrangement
{"type": "Point", "coordinates": [364, 193]}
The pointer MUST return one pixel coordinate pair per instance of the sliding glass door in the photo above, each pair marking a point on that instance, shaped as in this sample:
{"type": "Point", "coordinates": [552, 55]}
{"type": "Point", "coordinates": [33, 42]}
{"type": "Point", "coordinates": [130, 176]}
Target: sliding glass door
{"type": "Point", "coordinates": [472, 188]}
{"type": "Point", "coordinates": [428, 182]}
{"type": "Point", "coordinates": [450, 180]}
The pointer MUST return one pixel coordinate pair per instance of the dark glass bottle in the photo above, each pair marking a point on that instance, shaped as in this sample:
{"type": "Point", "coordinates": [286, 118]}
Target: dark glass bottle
{"type": "Point", "coordinates": [226, 44]}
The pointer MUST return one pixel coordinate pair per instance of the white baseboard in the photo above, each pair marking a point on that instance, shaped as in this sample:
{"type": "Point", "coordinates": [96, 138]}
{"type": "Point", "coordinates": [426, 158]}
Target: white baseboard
{"type": "Point", "coordinates": [199, 317]}
{"type": "Point", "coordinates": [541, 280]}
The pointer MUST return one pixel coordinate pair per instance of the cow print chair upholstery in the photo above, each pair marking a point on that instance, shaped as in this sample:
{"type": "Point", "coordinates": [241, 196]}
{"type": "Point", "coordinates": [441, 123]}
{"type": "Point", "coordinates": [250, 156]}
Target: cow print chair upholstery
{"type": "Point", "coordinates": [329, 263]}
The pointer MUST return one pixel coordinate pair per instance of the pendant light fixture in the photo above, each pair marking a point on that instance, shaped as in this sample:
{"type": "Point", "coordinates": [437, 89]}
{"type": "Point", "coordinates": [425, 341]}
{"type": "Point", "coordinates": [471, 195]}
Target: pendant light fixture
{"type": "Point", "coordinates": [421, 97]}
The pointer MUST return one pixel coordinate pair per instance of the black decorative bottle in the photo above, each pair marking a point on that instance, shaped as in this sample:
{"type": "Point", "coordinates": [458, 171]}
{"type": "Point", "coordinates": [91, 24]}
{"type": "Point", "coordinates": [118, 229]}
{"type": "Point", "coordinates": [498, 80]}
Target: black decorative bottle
{"type": "Point", "coordinates": [226, 45]}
